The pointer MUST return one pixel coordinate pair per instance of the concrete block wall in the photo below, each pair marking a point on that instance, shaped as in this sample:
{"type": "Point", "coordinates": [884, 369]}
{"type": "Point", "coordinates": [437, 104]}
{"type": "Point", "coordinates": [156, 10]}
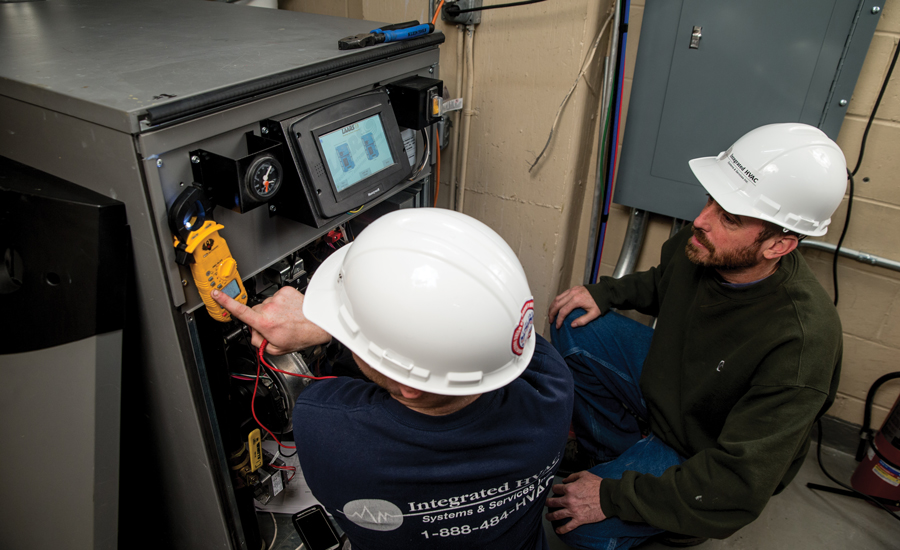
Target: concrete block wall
{"type": "Point", "coordinates": [527, 58]}
{"type": "Point", "coordinates": [869, 297]}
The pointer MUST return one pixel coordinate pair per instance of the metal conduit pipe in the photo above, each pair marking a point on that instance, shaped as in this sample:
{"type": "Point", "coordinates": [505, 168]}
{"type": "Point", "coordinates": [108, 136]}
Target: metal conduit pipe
{"type": "Point", "coordinates": [634, 240]}
{"type": "Point", "coordinates": [468, 111]}
{"type": "Point", "coordinates": [454, 154]}
{"type": "Point", "coordinates": [609, 72]}
{"type": "Point", "coordinates": [677, 225]}
{"type": "Point", "coordinates": [862, 257]}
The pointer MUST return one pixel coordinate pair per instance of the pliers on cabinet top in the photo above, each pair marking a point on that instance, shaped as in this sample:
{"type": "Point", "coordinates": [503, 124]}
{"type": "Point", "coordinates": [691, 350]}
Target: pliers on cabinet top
{"type": "Point", "coordinates": [390, 33]}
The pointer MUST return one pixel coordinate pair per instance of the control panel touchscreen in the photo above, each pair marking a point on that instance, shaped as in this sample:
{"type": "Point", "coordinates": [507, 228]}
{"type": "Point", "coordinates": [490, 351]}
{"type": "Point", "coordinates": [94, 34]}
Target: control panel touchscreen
{"type": "Point", "coordinates": [356, 151]}
{"type": "Point", "coordinates": [350, 153]}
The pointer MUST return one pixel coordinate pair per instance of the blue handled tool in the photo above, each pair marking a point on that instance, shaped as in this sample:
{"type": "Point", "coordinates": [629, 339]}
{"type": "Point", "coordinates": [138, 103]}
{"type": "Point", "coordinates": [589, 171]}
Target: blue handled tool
{"type": "Point", "coordinates": [390, 33]}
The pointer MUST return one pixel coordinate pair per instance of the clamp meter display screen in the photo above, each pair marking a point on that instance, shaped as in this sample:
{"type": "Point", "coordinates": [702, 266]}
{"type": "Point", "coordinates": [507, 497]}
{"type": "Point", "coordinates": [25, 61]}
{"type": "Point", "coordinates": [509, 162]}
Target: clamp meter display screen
{"type": "Point", "coordinates": [356, 151]}
{"type": "Point", "coordinates": [232, 289]}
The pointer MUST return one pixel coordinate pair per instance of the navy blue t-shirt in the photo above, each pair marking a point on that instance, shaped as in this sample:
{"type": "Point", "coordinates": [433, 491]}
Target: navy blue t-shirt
{"type": "Point", "coordinates": [477, 478]}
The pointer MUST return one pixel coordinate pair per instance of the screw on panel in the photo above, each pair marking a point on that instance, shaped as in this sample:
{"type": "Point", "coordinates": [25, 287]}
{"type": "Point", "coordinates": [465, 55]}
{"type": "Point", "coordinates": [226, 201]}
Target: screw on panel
{"type": "Point", "coordinates": [184, 282]}
{"type": "Point", "coordinates": [159, 163]}
{"type": "Point", "coordinates": [876, 10]}
{"type": "Point", "coordinates": [843, 103]}
{"type": "Point", "coordinates": [195, 159]}
{"type": "Point", "coordinates": [271, 207]}
{"type": "Point", "coordinates": [264, 130]}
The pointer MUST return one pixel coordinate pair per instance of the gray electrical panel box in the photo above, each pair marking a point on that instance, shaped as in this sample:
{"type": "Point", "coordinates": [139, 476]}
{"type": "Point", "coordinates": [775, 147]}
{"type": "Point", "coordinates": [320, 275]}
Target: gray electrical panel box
{"type": "Point", "coordinates": [709, 71]}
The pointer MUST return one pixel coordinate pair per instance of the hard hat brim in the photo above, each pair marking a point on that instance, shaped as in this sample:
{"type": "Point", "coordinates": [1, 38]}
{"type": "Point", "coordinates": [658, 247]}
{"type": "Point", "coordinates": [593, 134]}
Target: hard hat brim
{"type": "Point", "coordinates": [322, 306]}
{"type": "Point", "coordinates": [708, 172]}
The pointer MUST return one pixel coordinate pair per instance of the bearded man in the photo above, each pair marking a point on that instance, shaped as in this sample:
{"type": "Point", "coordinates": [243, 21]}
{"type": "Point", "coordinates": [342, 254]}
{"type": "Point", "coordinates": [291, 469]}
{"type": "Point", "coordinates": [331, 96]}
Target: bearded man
{"type": "Point", "coordinates": [692, 426]}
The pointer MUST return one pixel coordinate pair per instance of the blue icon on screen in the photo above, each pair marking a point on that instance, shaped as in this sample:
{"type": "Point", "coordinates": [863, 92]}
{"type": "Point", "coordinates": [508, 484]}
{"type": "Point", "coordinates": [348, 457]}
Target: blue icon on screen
{"type": "Point", "coordinates": [347, 163]}
{"type": "Point", "coordinates": [369, 143]}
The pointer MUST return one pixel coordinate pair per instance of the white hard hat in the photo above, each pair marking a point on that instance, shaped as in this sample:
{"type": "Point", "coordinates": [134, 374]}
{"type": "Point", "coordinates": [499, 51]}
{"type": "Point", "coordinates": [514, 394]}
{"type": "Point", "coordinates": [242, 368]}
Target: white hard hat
{"type": "Point", "coordinates": [430, 298]}
{"type": "Point", "coordinates": [791, 174]}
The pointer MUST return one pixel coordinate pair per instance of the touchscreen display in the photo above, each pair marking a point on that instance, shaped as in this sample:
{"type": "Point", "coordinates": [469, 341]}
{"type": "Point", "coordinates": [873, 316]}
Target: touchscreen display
{"type": "Point", "coordinates": [356, 151]}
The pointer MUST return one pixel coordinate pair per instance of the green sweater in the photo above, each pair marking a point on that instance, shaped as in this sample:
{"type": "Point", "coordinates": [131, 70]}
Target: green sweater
{"type": "Point", "coordinates": [734, 380]}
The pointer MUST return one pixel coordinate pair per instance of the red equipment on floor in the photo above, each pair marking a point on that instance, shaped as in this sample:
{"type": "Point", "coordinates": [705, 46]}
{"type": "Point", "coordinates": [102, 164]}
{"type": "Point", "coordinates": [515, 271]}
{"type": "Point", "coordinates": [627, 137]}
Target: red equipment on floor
{"type": "Point", "coordinates": [878, 474]}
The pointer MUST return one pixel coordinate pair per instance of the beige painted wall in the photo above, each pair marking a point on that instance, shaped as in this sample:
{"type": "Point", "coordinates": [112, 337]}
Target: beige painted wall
{"type": "Point", "coordinates": [527, 58]}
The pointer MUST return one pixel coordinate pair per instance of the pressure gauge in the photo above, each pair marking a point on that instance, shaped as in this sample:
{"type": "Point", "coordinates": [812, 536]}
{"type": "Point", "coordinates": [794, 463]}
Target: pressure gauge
{"type": "Point", "coordinates": [263, 177]}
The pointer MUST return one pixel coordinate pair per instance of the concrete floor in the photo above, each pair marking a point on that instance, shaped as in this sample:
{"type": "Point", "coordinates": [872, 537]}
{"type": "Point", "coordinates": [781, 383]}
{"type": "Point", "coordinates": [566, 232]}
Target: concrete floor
{"type": "Point", "coordinates": [799, 518]}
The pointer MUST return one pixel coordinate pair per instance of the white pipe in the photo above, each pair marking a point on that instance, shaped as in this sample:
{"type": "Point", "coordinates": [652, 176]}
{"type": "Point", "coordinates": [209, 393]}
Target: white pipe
{"type": "Point", "coordinates": [454, 152]}
{"type": "Point", "coordinates": [468, 111]}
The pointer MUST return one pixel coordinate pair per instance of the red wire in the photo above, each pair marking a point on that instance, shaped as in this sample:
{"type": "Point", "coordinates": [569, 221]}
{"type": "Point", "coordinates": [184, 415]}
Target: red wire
{"type": "Point", "coordinates": [260, 360]}
{"type": "Point", "coordinates": [253, 404]}
{"type": "Point", "coordinates": [292, 469]}
{"type": "Point", "coordinates": [262, 349]}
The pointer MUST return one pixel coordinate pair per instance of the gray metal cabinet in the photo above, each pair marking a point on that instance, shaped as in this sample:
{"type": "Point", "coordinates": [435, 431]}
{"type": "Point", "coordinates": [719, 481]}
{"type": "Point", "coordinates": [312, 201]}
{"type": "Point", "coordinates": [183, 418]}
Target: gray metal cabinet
{"type": "Point", "coordinates": [112, 96]}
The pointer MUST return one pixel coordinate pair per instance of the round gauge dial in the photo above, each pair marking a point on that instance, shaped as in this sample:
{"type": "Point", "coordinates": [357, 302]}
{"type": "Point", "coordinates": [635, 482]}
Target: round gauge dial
{"type": "Point", "coordinates": [264, 177]}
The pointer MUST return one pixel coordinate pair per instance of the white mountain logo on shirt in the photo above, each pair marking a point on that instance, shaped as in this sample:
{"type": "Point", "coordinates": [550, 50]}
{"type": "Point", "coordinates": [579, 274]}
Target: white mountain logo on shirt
{"type": "Point", "coordinates": [374, 514]}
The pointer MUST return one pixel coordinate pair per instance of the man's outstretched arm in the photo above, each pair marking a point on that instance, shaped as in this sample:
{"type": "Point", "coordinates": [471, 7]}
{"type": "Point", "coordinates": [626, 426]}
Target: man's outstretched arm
{"type": "Point", "coordinates": [279, 320]}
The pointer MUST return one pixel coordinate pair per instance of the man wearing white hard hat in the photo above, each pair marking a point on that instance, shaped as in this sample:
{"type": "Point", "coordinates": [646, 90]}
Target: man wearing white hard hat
{"type": "Point", "coordinates": [694, 425]}
{"type": "Point", "coordinates": [455, 441]}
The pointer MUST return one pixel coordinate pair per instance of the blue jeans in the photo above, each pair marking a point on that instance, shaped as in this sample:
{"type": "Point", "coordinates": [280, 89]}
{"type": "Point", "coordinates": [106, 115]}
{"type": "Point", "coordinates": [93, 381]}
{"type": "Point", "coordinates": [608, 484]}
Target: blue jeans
{"type": "Point", "coordinates": [606, 358]}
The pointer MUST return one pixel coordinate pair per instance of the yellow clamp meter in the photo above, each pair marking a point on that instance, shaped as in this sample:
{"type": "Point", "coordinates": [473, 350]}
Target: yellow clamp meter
{"type": "Point", "coordinates": [206, 251]}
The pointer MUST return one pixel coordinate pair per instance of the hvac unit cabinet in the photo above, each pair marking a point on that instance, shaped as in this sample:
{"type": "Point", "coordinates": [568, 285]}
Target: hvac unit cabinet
{"type": "Point", "coordinates": [134, 102]}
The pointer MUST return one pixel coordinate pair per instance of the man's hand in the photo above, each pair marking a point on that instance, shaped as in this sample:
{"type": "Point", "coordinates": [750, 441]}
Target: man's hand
{"type": "Point", "coordinates": [575, 297]}
{"type": "Point", "coordinates": [580, 501]}
{"type": "Point", "coordinates": [278, 319]}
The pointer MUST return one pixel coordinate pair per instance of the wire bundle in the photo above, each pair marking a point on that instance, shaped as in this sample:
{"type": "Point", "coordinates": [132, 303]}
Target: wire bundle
{"type": "Point", "coordinates": [260, 361]}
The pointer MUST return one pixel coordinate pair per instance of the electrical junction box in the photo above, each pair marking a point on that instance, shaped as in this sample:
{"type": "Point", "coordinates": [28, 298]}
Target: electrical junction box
{"type": "Point", "coordinates": [417, 101]}
{"type": "Point", "coordinates": [468, 18]}
{"type": "Point", "coordinates": [707, 72]}
{"type": "Point", "coordinates": [270, 481]}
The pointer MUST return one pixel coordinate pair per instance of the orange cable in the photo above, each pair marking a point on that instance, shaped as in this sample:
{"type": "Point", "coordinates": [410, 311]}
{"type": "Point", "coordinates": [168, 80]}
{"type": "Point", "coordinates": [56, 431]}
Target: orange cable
{"type": "Point", "coordinates": [437, 177]}
{"type": "Point", "coordinates": [437, 12]}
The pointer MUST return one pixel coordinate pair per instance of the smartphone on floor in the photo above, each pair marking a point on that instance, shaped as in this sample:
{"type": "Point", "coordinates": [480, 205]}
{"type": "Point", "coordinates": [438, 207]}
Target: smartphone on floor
{"type": "Point", "coordinates": [315, 529]}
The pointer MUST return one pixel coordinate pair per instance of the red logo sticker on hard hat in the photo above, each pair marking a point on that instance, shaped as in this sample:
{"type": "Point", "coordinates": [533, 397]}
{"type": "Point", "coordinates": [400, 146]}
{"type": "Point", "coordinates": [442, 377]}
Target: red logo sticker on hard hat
{"type": "Point", "coordinates": [524, 329]}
